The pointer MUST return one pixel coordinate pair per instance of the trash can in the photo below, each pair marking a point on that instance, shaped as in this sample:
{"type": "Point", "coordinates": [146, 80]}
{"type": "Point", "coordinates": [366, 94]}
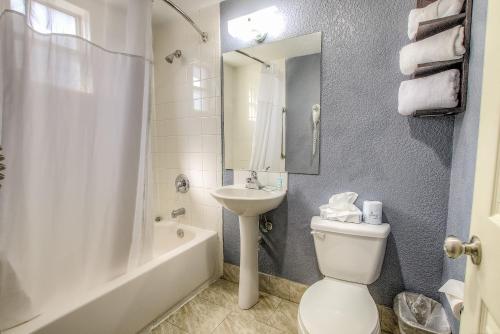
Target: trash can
{"type": "Point", "coordinates": [418, 314]}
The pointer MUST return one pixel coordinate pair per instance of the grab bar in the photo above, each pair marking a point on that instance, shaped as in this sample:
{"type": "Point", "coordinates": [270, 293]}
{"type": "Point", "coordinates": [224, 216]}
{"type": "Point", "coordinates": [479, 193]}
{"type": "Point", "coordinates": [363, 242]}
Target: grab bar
{"type": "Point", "coordinates": [283, 132]}
{"type": "Point", "coordinates": [2, 166]}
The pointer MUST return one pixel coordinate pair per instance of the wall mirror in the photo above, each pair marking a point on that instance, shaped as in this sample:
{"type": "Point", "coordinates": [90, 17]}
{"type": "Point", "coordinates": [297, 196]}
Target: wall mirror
{"type": "Point", "coordinates": [272, 106]}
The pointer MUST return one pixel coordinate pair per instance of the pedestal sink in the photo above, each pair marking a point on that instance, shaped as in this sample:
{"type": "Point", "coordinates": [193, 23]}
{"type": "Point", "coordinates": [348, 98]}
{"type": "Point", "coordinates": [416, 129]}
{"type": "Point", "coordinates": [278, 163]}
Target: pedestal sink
{"type": "Point", "coordinates": [248, 204]}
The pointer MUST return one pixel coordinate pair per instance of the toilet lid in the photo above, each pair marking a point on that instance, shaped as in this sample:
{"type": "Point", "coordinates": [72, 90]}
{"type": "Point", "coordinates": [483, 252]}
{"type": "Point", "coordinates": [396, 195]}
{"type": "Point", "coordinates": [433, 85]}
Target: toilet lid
{"type": "Point", "coordinates": [334, 306]}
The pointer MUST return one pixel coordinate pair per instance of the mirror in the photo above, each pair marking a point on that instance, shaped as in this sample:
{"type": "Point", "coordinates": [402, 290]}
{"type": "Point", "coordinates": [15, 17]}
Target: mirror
{"type": "Point", "coordinates": [272, 106]}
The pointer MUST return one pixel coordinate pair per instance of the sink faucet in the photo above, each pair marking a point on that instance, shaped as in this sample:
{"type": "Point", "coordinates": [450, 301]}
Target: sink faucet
{"type": "Point", "coordinates": [177, 213]}
{"type": "Point", "coordinates": [253, 182]}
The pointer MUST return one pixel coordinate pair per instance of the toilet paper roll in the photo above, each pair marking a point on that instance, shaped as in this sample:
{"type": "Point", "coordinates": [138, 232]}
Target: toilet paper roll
{"type": "Point", "coordinates": [372, 212]}
{"type": "Point", "coordinates": [456, 305]}
{"type": "Point", "coordinates": [454, 292]}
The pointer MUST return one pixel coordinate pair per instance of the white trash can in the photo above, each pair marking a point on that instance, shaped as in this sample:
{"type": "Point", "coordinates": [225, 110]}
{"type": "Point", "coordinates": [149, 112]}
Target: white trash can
{"type": "Point", "coordinates": [418, 314]}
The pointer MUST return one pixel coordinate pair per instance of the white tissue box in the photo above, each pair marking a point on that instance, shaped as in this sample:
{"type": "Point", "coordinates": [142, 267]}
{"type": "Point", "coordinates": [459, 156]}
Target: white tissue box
{"type": "Point", "coordinates": [341, 216]}
{"type": "Point", "coordinates": [341, 208]}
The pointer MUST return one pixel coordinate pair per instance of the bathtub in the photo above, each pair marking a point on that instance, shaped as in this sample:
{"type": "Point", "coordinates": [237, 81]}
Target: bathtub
{"type": "Point", "coordinates": [185, 258]}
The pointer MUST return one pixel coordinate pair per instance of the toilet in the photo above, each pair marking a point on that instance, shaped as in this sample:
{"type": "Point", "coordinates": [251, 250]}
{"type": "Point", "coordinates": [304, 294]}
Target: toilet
{"type": "Point", "coordinates": [350, 257]}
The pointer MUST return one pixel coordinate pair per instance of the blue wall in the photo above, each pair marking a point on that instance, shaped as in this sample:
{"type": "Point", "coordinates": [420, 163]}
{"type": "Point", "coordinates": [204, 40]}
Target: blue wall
{"type": "Point", "coordinates": [366, 146]}
{"type": "Point", "coordinates": [303, 90]}
{"type": "Point", "coordinates": [464, 152]}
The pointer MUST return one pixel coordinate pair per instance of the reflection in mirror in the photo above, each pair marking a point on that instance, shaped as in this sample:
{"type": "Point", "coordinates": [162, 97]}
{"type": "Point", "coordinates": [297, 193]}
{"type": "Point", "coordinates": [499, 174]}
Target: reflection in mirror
{"type": "Point", "coordinates": [272, 106]}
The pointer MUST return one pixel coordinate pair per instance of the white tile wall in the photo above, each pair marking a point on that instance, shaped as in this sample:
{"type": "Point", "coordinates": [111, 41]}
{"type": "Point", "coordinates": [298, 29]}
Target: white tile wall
{"type": "Point", "coordinates": [187, 120]}
{"type": "Point", "coordinates": [239, 113]}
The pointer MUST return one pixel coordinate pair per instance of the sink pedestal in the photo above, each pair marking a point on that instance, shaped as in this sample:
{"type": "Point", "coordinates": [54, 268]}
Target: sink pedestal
{"type": "Point", "coordinates": [248, 204]}
{"type": "Point", "coordinates": [249, 260]}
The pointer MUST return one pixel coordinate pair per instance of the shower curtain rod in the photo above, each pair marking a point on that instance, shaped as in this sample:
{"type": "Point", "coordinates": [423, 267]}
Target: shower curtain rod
{"type": "Point", "coordinates": [254, 58]}
{"type": "Point", "coordinates": [204, 35]}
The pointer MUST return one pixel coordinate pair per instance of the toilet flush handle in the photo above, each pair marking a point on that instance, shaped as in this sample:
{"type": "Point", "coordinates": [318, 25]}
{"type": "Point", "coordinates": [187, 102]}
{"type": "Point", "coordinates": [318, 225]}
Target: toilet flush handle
{"type": "Point", "coordinates": [319, 235]}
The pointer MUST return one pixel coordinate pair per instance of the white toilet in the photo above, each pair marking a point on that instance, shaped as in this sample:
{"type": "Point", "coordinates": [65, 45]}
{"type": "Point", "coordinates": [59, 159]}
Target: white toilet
{"type": "Point", "coordinates": [350, 256]}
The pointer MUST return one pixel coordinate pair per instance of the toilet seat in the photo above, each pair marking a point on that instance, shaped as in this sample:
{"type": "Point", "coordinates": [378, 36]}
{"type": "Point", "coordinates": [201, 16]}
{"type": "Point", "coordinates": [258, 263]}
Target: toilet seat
{"type": "Point", "coordinates": [332, 306]}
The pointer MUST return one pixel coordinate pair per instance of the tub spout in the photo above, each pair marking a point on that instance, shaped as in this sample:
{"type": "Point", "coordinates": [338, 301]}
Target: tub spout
{"type": "Point", "coordinates": [178, 212]}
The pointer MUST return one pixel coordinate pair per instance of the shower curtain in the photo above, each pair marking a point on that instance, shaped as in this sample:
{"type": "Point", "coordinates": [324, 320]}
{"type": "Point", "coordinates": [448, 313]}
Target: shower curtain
{"type": "Point", "coordinates": [267, 136]}
{"type": "Point", "coordinates": [74, 104]}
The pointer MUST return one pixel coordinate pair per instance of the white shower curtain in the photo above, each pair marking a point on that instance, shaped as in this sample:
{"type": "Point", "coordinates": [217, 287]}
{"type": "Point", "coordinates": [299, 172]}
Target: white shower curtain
{"type": "Point", "coordinates": [74, 104]}
{"type": "Point", "coordinates": [267, 136]}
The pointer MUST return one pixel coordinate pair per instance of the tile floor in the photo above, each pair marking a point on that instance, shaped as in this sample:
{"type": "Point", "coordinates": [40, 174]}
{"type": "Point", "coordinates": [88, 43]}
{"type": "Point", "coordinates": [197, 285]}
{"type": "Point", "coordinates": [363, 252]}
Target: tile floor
{"type": "Point", "coordinates": [215, 310]}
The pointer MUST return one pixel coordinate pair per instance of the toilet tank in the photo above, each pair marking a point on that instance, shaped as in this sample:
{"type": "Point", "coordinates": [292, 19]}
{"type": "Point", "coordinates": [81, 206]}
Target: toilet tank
{"type": "Point", "coordinates": [350, 252]}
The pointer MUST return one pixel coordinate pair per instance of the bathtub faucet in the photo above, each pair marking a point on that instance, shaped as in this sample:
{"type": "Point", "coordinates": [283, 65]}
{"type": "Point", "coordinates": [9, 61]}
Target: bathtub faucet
{"type": "Point", "coordinates": [178, 212]}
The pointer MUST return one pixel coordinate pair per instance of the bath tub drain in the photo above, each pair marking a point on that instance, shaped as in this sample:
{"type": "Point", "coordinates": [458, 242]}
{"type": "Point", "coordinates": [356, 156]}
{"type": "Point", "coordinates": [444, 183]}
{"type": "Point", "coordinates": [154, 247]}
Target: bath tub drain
{"type": "Point", "coordinates": [180, 233]}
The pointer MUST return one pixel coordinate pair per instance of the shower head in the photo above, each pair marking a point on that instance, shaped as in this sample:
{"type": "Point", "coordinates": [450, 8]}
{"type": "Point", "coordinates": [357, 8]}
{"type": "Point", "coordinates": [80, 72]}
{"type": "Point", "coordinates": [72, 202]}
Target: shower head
{"type": "Point", "coordinates": [175, 54]}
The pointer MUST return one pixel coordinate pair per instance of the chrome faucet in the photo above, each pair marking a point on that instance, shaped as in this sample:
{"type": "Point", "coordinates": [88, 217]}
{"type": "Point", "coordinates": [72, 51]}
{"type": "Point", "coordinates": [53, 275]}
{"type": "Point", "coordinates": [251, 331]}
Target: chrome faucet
{"type": "Point", "coordinates": [253, 181]}
{"type": "Point", "coordinates": [178, 212]}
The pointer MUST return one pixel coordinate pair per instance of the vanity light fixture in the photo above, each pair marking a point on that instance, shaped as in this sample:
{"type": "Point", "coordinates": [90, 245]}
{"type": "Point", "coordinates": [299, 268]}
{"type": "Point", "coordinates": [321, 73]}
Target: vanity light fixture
{"type": "Point", "coordinates": [257, 26]}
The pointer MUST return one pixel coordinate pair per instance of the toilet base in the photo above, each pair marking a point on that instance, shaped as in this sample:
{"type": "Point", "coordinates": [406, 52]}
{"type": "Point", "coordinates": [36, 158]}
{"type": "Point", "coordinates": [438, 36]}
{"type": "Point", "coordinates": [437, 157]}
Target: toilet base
{"type": "Point", "coordinates": [302, 330]}
{"type": "Point", "coordinates": [300, 327]}
{"type": "Point", "coordinates": [335, 306]}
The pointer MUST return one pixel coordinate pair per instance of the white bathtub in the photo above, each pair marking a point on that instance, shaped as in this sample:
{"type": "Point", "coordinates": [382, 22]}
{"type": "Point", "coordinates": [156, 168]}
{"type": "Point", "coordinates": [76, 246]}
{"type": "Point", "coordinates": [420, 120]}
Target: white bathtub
{"type": "Point", "coordinates": [129, 302]}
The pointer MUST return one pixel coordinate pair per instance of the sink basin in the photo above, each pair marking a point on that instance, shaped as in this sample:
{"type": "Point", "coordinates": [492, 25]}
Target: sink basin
{"type": "Point", "coordinates": [248, 204]}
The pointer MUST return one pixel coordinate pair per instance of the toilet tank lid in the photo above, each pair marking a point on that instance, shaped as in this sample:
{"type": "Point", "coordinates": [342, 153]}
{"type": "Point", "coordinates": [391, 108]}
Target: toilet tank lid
{"type": "Point", "coordinates": [362, 230]}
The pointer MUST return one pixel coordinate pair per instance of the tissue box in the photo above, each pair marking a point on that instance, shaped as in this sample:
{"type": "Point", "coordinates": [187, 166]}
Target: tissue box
{"type": "Point", "coordinates": [326, 212]}
{"type": "Point", "coordinates": [341, 208]}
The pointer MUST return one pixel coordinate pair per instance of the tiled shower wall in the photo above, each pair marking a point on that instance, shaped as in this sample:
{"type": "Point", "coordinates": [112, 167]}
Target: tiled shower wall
{"type": "Point", "coordinates": [187, 119]}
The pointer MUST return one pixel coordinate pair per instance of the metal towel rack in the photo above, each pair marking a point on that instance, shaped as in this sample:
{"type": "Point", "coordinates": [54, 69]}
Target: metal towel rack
{"type": "Point", "coordinates": [432, 27]}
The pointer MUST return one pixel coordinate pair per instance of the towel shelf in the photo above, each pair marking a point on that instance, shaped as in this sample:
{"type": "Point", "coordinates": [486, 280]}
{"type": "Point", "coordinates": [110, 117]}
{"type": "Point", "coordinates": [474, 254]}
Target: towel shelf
{"type": "Point", "coordinates": [438, 112]}
{"type": "Point", "coordinates": [432, 27]}
{"type": "Point", "coordinates": [438, 66]}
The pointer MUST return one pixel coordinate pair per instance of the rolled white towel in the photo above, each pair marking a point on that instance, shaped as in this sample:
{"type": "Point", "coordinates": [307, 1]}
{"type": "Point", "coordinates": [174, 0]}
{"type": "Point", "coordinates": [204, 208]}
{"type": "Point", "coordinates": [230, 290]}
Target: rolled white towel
{"type": "Point", "coordinates": [437, 9]}
{"type": "Point", "coordinates": [433, 92]}
{"type": "Point", "coordinates": [449, 7]}
{"type": "Point", "coordinates": [446, 45]}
